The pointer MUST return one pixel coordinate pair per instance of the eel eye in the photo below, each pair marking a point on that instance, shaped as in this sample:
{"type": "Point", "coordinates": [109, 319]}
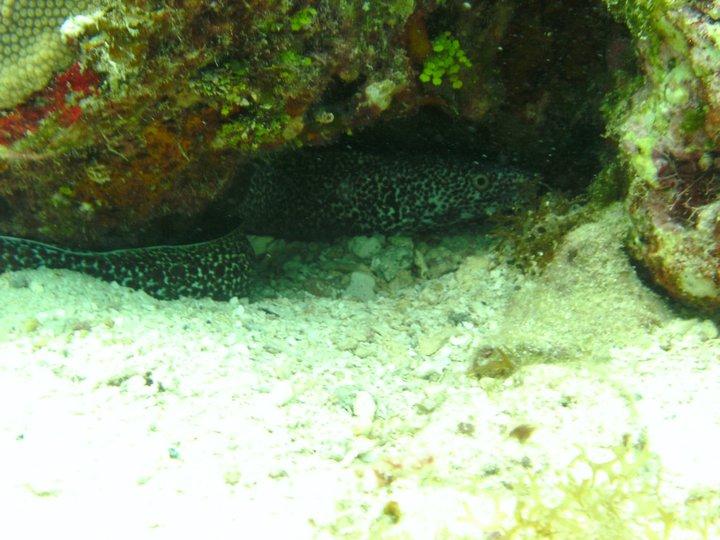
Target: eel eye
{"type": "Point", "coordinates": [481, 182]}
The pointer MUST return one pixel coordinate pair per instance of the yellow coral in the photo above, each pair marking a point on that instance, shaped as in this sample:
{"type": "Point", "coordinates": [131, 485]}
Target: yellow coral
{"type": "Point", "coordinates": [32, 45]}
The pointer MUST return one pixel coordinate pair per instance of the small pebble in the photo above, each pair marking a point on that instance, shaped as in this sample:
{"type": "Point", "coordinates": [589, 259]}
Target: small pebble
{"type": "Point", "coordinates": [364, 409]}
{"type": "Point", "coordinates": [232, 477]}
{"type": "Point", "coordinates": [18, 281]}
{"type": "Point", "coordinates": [366, 247]}
{"type": "Point", "coordinates": [391, 261]}
{"type": "Point", "coordinates": [430, 343]}
{"type": "Point", "coordinates": [282, 393]}
{"type": "Point", "coordinates": [361, 287]}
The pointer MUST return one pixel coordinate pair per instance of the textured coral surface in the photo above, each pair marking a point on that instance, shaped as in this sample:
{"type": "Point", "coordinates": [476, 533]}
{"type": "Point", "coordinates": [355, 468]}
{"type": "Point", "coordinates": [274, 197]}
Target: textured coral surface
{"type": "Point", "coordinates": [154, 103]}
{"type": "Point", "coordinates": [140, 128]}
{"type": "Point", "coordinates": [34, 46]}
{"type": "Point", "coordinates": [669, 131]}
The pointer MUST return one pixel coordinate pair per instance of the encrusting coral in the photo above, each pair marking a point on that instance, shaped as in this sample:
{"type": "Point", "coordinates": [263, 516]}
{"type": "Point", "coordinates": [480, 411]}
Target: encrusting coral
{"type": "Point", "coordinates": [174, 97]}
{"type": "Point", "coordinates": [163, 103]}
{"type": "Point", "coordinates": [34, 45]}
{"type": "Point", "coordinates": [669, 133]}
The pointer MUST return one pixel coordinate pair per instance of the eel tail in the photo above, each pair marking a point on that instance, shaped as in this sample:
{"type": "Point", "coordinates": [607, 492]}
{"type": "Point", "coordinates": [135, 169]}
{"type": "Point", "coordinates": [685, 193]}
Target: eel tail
{"type": "Point", "coordinates": [220, 269]}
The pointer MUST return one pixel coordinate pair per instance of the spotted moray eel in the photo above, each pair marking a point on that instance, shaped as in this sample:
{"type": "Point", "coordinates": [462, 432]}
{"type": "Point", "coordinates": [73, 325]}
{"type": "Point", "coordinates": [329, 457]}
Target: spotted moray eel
{"type": "Point", "coordinates": [305, 195]}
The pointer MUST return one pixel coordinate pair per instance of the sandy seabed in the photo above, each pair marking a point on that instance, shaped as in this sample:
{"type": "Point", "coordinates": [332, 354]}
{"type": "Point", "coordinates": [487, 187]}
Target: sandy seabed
{"type": "Point", "coordinates": [356, 397]}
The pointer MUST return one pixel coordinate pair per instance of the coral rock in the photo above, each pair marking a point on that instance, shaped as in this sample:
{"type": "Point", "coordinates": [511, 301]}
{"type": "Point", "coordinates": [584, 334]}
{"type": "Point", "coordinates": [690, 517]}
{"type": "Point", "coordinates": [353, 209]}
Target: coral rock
{"type": "Point", "coordinates": [32, 44]}
{"type": "Point", "coordinates": [670, 138]}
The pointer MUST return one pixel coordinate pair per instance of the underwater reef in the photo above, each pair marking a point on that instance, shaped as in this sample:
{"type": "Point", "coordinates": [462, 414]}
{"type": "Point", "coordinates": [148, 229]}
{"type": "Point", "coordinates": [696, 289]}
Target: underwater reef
{"type": "Point", "coordinates": [123, 122]}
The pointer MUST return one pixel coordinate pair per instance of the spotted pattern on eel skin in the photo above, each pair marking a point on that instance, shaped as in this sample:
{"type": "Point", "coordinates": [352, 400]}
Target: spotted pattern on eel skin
{"type": "Point", "coordinates": [304, 195]}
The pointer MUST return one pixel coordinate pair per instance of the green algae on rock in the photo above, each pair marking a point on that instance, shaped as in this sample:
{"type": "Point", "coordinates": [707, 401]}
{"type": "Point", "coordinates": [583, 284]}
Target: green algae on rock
{"type": "Point", "coordinates": [179, 94]}
{"type": "Point", "coordinates": [669, 134]}
{"type": "Point", "coordinates": [171, 99]}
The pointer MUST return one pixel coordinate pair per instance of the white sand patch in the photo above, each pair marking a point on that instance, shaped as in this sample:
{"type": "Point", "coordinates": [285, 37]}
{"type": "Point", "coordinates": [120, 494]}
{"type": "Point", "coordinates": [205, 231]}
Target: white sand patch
{"type": "Point", "coordinates": [326, 412]}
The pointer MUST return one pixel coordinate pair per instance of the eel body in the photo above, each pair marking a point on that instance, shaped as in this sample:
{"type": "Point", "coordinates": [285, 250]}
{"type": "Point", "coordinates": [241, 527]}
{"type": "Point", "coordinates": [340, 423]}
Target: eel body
{"type": "Point", "coordinates": [320, 195]}
{"type": "Point", "coordinates": [316, 195]}
{"type": "Point", "coordinates": [219, 269]}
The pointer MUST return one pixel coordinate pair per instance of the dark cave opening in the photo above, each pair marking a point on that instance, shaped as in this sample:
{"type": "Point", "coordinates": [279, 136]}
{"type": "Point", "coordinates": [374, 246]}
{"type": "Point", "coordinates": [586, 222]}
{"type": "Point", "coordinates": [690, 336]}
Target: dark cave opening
{"type": "Point", "coordinates": [555, 66]}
